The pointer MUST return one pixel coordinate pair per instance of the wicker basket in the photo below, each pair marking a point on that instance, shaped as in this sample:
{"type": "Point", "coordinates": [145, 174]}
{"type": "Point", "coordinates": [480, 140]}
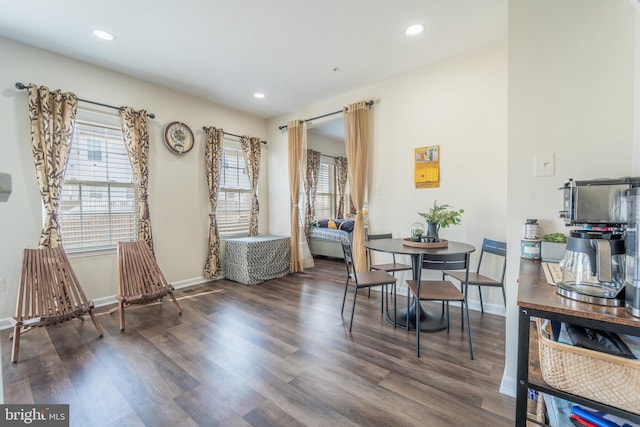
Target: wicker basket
{"type": "Point", "coordinates": [602, 377]}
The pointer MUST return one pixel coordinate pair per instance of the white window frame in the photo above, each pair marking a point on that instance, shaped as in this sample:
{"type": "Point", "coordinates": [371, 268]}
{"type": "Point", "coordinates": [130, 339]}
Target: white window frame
{"type": "Point", "coordinates": [121, 194]}
{"type": "Point", "coordinates": [331, 194]}
{"type": "Point", "coordinates": [239, 190]}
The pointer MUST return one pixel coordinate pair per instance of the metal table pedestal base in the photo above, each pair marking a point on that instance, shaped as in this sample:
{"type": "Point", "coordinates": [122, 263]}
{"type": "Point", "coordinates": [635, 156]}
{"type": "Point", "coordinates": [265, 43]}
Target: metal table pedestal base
{"type": "Point", "coordinates": [429, 320]}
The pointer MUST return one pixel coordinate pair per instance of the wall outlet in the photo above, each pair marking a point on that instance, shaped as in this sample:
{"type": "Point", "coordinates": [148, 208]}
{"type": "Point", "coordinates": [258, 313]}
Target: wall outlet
{"type": "Point", "coordinates": [3, 284]}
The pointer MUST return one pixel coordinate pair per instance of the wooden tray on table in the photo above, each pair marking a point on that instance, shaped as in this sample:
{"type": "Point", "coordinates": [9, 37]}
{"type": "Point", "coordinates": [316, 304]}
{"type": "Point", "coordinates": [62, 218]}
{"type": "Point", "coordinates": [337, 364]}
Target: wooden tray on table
{"type": "Point", "coordinates": [433, 245]}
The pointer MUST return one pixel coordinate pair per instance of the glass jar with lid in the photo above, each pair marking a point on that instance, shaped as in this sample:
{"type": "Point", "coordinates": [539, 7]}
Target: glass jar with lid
{"type": "Point", "coordinates": [417, 231]}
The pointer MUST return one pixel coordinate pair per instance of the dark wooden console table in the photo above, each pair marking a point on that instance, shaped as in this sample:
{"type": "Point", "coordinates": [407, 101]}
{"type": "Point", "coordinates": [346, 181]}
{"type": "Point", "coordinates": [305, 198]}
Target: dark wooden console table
{"type": "Point", "coordinates": [537, 298]}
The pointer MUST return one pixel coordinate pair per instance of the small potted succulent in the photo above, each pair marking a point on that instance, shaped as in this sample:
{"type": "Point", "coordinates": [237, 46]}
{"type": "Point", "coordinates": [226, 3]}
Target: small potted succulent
{"type": "Point", "coordinates": [442, 215]}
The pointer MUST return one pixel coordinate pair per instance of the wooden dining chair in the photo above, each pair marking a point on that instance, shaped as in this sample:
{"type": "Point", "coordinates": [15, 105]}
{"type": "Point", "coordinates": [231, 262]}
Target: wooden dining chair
{"type": "Point", "coordinates": [494, 248]}
{"type": "Point", "coordinates": [391, 267]}
{"type": "Point", "coordinates": [48, 293]}
{"type": "Point", "coordinates": [442, 290]}
{"type": "Point", "coordinates": [140, 280]}
{"type": "Point", "coordinates": [366, 279]}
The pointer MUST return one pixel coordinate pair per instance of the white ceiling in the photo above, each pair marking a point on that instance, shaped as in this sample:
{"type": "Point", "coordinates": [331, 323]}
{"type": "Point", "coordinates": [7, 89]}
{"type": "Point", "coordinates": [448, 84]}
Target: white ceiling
{"type": "Point", "coordinates": [333, 129]}
{"type": "Point", "coordinates": [224, 51]}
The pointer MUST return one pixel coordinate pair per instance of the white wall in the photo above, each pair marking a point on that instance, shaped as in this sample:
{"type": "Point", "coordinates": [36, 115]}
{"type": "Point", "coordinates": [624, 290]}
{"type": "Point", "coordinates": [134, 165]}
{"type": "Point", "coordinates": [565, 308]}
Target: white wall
{"type": "Point", "coordinates": [328, 146]}
{"type": "Point", "coordinates": [571, 93]}
{"type": "Point", "coordinates": [460, 104]}
{"type": "Point", "coordinates": [178, 191]}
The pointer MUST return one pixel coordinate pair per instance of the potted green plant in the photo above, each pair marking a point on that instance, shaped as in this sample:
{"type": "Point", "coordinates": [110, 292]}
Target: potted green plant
{"type": "Point", "coordinates": [440, 216]}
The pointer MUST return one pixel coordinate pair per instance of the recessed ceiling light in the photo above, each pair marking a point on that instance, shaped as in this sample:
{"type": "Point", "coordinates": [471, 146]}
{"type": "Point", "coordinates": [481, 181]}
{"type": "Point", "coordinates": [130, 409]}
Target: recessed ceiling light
{"type": "Point", "coordinates": [414, 30]}
{"type": "Point", "coordinates": [258, 95]}
{"type": "Point", "coordinates": [103, 34]}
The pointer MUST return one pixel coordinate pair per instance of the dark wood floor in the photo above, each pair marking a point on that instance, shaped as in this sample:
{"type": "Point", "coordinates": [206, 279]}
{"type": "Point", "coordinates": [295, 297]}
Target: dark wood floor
{"type": "Point", "coordinates": [273, 354]}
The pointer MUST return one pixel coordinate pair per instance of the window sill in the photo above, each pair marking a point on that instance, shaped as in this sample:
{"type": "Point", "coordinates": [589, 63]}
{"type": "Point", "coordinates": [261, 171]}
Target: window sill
{"type": "Point", "coordinates": [234, 236]}
{"type": "Point", "coordinates": [83, 253]}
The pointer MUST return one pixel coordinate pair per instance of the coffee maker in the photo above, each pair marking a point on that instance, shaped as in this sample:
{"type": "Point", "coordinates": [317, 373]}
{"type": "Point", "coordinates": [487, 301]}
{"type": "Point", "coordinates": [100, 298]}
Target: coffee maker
{"type": "Point", "coordinates": [593, 269]}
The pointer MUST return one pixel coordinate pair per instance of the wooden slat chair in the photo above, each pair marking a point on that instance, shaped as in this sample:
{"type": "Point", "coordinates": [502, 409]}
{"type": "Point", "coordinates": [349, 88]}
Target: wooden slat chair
{"type": "Point", "coordinates": [49, 293]}
{"type": "Point", "coordinates": [140, 280]}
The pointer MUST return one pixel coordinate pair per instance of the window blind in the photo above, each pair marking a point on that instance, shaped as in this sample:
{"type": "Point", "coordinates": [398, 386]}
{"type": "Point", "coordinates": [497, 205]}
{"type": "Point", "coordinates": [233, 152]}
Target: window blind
{"type": "Point", "coordinates": [325, 193]}
{"type": "Point", "coordinates": [98, 203]}
{"type": "Point", "coordinates": [234, 195]}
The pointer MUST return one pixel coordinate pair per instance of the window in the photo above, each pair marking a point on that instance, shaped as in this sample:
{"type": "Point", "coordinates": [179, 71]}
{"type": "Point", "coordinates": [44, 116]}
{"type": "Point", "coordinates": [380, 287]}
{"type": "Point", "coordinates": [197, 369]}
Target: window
{"type": "Point", "coordinates": [98, 203]}
{"type": "Point", "coordinates": [325, 192]}
{"type": "Point", "coordinates": [234, 195]}
{"type": "Point", "coordinates": [94, 150]}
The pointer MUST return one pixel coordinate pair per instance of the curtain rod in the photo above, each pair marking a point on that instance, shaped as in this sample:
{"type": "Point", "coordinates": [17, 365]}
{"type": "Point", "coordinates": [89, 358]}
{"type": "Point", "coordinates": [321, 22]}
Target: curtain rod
{"type": "Point", "coordinates": [206, 129]}
{"type": "Point", "coordinates": [150, 115]}
{"type": "Point", "coordinates": [327, 155]}
{"type": "Point", "coordinates": [285, 127]}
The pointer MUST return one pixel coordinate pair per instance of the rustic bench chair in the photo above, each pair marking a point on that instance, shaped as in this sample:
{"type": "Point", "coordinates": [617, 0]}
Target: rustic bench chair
{"type": "Point", "coordinates": [140, 280]}
{"type": "Point", "coordinates": [49, 293]}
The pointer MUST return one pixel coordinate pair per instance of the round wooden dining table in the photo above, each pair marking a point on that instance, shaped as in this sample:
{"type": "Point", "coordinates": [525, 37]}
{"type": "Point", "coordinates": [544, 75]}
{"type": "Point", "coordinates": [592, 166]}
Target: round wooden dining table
{"type": "Point", "coordinates": [429, 321]}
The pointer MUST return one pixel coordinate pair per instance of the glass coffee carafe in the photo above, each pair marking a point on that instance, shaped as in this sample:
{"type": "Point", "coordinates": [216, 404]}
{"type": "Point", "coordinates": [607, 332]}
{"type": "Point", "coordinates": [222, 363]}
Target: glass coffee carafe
{"type": "Point", "coordinates": [593, 266]}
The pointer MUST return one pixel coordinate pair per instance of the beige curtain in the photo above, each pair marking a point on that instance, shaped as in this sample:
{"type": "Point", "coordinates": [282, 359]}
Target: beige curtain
{"type": "Point", "coordinates": [341, 179]}
{"type": "Point", "coordinates": [213, 165]}
{"type": "Point", "coordinates": [52, 117]}
{"type": "Point", "coordinates": [297, 146]}
{"type": "Point", "coordinates": [310, 187]}
{"type": "Point", "coordinates": [295, 150]}
{"type": "Point", "coordinates": [251, 154]}
{"type": "Point", "coordinates": [356, 126]}
{"type": "Point", "coordinates": [136, 138]}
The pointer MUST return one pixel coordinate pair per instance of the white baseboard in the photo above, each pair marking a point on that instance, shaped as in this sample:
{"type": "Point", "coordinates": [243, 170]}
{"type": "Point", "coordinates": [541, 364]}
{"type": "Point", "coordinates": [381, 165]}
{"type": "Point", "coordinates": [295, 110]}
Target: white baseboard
{"type": "Point", "coordinates": [508, 386]}
{"type": "Point", "coordinates": [111, 299]}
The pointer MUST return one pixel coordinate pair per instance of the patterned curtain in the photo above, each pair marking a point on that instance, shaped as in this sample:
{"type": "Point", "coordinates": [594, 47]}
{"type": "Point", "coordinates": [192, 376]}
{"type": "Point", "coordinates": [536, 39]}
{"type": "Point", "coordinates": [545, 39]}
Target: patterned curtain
{"type": "Point", "coordinates": [251, 154]}
{"type": "Point", "coordinates": [213, 160]}
{"type": "Point", "coordinates": [352, 208]}
{"type": "Point", "coordinates": [341, 179]}
{"type": "Point", "coordinates": [310, 187]}
{"type": "Point", "coordinates": [357, 145]}
{"type": "Point", "coordinates": [136, 138]}
{"type": "Point", "coordinates": [52, 117]}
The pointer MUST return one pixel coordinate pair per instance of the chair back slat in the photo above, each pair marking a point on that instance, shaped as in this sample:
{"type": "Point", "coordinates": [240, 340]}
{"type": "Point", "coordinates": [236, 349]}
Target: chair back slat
{"type": "Point", "coordinates": [446, 262]}
{"type": "Point", "coordinates": [494, 247]}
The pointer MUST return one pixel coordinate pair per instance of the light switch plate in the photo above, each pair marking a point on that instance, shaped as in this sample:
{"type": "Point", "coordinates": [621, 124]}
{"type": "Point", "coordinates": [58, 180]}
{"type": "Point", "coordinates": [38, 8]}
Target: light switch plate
{"type": "Point", "coordinates": [544, 164]}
